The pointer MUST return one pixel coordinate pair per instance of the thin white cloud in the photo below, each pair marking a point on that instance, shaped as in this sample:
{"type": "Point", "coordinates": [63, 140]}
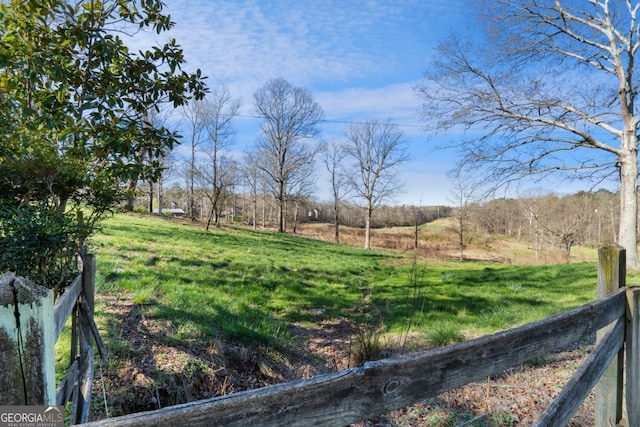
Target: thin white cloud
{"type": "Point", "coordinates": [323, 45]}
{"type": "Point", "coordinates": [395, 101]}
{"type": "Point", "coordinates": [305, 41]}
{"type": "Point", "coordinates": [359, 58]}
{"type": "Point", "coordinates": [257, 41]}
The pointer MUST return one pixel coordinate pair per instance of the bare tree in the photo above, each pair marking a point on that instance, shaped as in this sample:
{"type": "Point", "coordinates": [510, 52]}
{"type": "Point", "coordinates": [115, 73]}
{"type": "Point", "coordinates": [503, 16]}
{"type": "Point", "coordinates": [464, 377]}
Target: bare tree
{"type": "Point", "coordinates": [334, 157]}
{"type": "Point", "coordinates": [158, 119]}
{"type": "Point", "coordinates": [554, 89]}
{"type": "Point", "coordinates": [606, 214]}
{"type": "Point", "coordinates": [217, 114]}
{"type": "Point", "coordinates": [300, 186]}
{"type": "Point", "coordinates": [465, 193]}
{"type": "Point", "coordinates": [566, 221]}
{"type": "Point", "coordinates": [217, 190]}
{"type": "Point", "coordinates": [291, 117]}
{"type": "Point", "coordinates": [251, 177]}
{"type": "Point", "coordinates": [168, 166]}
{"type": "Point", "coordinates": [378, 149]}
{"type": "Point", "coordinates": [532, 207]}
{"type": "Point", "coordinates": [193, 114]}
{"type": "Point", "coordinates": [151, 159]}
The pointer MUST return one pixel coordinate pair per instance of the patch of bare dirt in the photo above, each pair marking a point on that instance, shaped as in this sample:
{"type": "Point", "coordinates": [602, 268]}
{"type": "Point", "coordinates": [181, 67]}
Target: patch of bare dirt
{"type": "Point", "coordinates": [516, 397]}
{"type": "Point", "coordinates": [148, 371]}
{"type": "Point", "coordinates": [327, 342]}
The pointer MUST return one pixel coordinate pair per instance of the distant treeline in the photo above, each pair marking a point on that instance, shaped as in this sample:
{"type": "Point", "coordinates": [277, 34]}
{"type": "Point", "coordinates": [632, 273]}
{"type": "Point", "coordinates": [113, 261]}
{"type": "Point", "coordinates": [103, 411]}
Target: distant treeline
{"type": "Point", "coordinates": [550, 220]}
{"type": "Point", "coordinates": [384, 216]}
{"type": "Point", "coordinates": [584, 218]}
{"type": "Point", "coordinates": [263, 210]}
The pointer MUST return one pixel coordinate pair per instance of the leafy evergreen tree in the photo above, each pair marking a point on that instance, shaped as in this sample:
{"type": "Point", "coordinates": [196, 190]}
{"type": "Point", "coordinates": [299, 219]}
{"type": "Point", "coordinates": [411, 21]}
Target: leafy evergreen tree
{"type": "Point", "coordinates": [74, 102]}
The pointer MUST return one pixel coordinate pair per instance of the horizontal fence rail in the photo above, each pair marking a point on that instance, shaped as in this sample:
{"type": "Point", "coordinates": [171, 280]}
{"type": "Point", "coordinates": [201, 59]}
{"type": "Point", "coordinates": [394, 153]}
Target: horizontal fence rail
{"type": "Point", "coordinates": [378, 387]}
{"type": "Point", "coordinates": [66, 303]}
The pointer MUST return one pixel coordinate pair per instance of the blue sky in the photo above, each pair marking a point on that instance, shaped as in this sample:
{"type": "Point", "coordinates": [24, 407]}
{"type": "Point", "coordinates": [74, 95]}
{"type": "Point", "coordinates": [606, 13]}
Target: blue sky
{"type": "Point", "coordinates": [359, 58]}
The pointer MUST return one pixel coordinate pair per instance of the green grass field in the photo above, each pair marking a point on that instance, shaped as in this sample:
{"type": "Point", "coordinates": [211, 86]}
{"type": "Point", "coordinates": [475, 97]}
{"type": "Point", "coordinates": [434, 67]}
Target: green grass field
{"type": "Point", "coordinates": [248, 286]}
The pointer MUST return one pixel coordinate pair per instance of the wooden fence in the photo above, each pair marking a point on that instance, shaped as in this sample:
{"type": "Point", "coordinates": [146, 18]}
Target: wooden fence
{"type": "Point", "coordinates": [30, 325]}
{"type": "Point", "coordinates": [381, 386]}
{"type": "Point", "coordinates": [378, 387]}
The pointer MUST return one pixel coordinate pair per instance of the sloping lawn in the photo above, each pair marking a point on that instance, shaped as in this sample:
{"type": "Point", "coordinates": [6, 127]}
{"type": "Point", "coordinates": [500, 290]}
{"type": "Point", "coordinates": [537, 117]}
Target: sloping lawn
{"type": "Point", "coordinates": [250, 285]}
{"type": "Point", "coordinates": [188, 314]}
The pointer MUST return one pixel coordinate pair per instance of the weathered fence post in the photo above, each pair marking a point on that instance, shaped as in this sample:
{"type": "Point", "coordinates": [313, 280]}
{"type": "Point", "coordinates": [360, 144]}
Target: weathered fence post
{"type": "Point", "coordinates": [27, 337]}
{"type": "Point", "coordinates": [633, 358]}
{"type": "Point", "coordinates": [89, 279]}
{"type": "Point", "coordinates": [80, 412]}
{"type": "Point", "coordinates": [611, 277]}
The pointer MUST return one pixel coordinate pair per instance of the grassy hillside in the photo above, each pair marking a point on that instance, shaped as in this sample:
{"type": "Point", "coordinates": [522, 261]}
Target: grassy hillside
{"type": "Point", "coordinates": [245, 284]}
{"type": "Point", "coordinates": [189, 313]}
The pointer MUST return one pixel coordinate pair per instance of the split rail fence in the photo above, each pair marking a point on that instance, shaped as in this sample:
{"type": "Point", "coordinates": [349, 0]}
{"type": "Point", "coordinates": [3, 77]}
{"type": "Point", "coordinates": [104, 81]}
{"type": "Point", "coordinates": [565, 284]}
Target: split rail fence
{"type": "Point", "coordinates": [341, 398]}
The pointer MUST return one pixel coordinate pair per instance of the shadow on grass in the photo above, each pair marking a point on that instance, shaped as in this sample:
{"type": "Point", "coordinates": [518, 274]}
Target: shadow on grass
{"type": "Point", "coordinates": [215, 321]}
{"type": "Point", "coordinates": [273, 278]}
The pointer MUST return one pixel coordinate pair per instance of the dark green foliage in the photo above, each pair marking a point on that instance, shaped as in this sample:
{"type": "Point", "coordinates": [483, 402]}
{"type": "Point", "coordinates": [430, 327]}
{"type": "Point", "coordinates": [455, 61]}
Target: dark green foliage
{"type": "Point", "coordinates": [74, 120]}
{"type": "Point", "coordinates": [40, 243]}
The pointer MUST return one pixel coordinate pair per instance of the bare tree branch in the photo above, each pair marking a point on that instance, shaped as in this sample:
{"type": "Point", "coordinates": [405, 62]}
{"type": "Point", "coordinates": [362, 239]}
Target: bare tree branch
{"type": "Point", "coordinates": [377, 149]}
{"type": "Point", "coordinates": [551, 89]}
{"type": "Point", "coordinates": [283, 152]}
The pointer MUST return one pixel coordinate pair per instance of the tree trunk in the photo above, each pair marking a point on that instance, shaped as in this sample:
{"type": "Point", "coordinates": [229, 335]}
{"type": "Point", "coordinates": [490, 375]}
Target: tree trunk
{"type": "Point", "coordinates": [629, 201]}
{"type": "Point", "coordinates": [192, 167]}
{"type": "Point", "coordinates": [295, 217]}
{"type": "Point", "coordinates": [218, 215]}
{"type": "Point", "coordinates": [255, 212]}
{"type": "Point", "coordinates": [367, 233]}
{"type": "Point", "coordinates": [129, 206]}
{"type": "Point", "coordinates": [160, 196]}
{"type": "Point", "coordinates": [336, 224]}
{"type": "Point", "coordinates": [367, 228]}
{"type": "Point", "coordinates": [461, 236]}
{"type": "Point", "coordinates": [211, 213]}
{"type": "Point", "coordinates": [264, 209]}
{"type": "Point", "coordinates": [150, 196]}
{"type": "Point", "coordinates": [567, 252]}
{"type": "Point", "coordinates": [281, 208]}
{"type": "Point", "coordinates": [234, 203]}
{"type": "Point", "coordinates": [284, 216]}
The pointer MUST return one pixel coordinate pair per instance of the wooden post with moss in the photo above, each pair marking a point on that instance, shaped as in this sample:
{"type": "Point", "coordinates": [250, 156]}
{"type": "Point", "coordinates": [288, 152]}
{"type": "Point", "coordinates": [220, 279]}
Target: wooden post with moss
{"type": "Point", "coordinates": [27, 337]}
{"type": "Point", "coordinates": [609, 396]}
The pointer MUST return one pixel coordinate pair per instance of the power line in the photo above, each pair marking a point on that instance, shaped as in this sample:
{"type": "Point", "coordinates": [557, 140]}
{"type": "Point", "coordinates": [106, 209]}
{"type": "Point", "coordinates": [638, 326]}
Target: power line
{"type": "Point", "coordinates": [347, 122]}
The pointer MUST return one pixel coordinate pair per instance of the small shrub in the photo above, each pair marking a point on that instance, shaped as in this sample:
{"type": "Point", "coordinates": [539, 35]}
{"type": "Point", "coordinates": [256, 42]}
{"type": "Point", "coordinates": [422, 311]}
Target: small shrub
{"type": "Point", "coordinates": [367, 345]}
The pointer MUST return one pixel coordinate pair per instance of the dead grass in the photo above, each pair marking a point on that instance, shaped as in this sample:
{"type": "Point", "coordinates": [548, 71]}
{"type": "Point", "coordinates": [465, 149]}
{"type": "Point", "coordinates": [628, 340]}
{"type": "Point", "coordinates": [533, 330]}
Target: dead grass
{"type": "Point", "coordinates": [438, 241]}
